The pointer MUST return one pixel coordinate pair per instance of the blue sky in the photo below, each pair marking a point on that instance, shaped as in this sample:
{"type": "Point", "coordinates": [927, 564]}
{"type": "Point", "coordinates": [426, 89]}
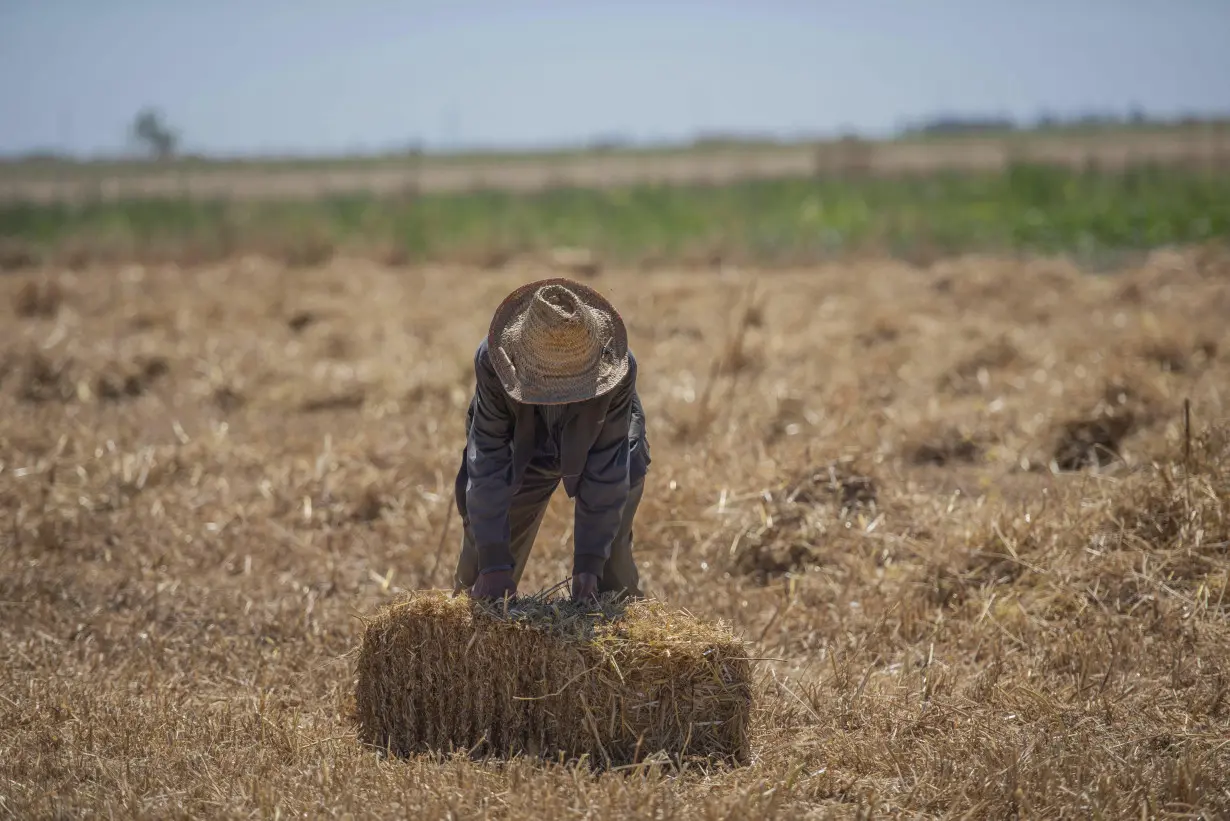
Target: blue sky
{"type": "Point", "coordinates": [248, 76]}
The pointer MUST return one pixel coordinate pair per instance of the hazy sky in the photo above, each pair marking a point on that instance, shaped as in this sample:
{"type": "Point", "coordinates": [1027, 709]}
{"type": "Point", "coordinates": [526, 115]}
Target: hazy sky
{"type": "Point", "coordinates": [240, 76]}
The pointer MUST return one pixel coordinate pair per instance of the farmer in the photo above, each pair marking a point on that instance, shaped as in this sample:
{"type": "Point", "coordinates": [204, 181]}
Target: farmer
{"type": "Point", "coordinates": [555, 399]}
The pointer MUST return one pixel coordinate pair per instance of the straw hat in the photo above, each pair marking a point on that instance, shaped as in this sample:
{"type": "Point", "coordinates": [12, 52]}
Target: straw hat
{"type": "Point", "coordinates": [556, 341]}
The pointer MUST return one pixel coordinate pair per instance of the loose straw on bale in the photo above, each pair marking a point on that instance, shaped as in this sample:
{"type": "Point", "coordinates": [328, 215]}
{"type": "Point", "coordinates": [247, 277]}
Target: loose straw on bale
{"type": "Point", "coordinates": [612, 682]}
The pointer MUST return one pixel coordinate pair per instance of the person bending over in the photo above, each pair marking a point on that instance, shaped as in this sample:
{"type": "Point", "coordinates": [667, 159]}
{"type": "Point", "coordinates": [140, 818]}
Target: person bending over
{"type": "Point", "coordinates": [555, 399]}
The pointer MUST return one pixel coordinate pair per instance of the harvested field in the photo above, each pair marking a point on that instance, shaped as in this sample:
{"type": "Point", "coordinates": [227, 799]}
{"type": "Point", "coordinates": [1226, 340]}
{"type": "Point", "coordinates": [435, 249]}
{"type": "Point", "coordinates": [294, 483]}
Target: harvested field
{"type": "Point", "coordinates": [953, 508]}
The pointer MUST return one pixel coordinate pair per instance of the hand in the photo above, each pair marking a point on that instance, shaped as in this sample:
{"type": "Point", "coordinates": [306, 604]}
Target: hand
{"type": "Point", "coordinates": [494, 585]}
{"type": "Point", "coordinates": [584, 586]}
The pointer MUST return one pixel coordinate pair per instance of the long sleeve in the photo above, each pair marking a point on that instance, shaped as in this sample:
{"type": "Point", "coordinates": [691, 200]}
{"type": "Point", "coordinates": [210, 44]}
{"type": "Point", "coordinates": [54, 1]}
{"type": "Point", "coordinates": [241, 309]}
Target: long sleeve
{"type": "Point", "coordinates": [489, 464]}
{"type": "Point", "coordinates": [603, 488]}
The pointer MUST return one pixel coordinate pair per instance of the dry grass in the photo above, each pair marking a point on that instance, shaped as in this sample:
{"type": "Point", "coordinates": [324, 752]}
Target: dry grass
{"type": "Point", "coordinates": [184, 565]}
{"type": "Point", "coordinates": [440, 673]}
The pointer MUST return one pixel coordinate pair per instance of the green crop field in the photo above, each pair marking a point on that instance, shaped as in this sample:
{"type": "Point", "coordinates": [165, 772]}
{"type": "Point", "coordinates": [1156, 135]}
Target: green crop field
{"type": "Point", "coordinates": [1024, 208]}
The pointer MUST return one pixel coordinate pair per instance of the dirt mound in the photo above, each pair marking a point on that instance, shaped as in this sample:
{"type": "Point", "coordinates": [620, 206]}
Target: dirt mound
{"type": "Point", "coordinates": [1178, 356]}
{"type": "Point", "coordinates": [130, 379]}
{"type": "Point", "coordinates": [802, 520]}
{"type": "Point", "coordinates": [882, 330]}
{"type": "Point", "coordinates": [38, 299]}
{"type": "Point", "coordinates": [336, 401]}
{"type": "Point", "coordinates": [41, 378]}
{"type": "Point", "coordinates": [948, 445]}
{"type": "Point", "coordinates": [837, 482]}
{"type": "Point", "coordinates": [1095, 439]}
{"type": "Point", "coordinates": [228, 398]}
{"type": "Point", "coordinates": [973, 374]}
{"type": "Point", "coordinates": [302, 319]}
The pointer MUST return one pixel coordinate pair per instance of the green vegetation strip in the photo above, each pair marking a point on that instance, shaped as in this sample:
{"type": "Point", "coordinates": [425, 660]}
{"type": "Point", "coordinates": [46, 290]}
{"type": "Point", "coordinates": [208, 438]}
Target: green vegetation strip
{"type": "Point", "coordinates": [1025, 208]}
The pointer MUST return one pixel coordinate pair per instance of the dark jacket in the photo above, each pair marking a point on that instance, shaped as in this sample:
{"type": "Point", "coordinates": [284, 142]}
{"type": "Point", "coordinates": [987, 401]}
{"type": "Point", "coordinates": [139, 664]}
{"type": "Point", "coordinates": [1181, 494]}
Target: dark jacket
{"type": "Point", "coordinates": [602, 452]}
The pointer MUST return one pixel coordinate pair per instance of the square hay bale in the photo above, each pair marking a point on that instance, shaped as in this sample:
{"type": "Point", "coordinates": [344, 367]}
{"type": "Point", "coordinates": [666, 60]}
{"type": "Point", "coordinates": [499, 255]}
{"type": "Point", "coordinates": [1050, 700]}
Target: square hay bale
{"type": "Point", "coordinates": [616, 682]}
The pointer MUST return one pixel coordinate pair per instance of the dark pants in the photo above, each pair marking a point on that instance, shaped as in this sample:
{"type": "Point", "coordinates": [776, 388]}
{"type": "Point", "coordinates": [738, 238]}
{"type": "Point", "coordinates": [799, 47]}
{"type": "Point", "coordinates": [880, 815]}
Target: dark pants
{"type": "Point", "coordinates": [529, 505]}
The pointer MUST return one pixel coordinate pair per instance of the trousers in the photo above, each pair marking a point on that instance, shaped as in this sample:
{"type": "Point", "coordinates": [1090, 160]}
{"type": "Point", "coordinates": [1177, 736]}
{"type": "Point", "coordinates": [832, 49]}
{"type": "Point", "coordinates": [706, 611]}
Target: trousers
{"type": "Point", "coordinates": [529, 505]}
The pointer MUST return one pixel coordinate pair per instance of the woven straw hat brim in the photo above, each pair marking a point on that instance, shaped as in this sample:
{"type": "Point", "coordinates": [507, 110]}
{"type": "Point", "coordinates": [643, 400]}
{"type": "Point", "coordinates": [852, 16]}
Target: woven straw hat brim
{"type": "Point", "coordinates": [507, 347]}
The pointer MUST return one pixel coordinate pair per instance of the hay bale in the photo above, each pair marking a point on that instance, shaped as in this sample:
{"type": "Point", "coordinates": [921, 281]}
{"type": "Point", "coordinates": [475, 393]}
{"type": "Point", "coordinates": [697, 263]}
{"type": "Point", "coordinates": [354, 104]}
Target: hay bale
{"type": "Point", "coordinates": [617, 683]}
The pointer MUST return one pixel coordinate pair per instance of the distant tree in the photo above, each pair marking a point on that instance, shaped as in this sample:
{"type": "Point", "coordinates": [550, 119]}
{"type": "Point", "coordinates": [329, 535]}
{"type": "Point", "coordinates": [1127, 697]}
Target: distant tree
{"type": "Point", "coordinates": [950, 125]}
{"type": "Point", "coordinates": [151, 131]}
{"type": "Point", "coordinates": [612, 141]}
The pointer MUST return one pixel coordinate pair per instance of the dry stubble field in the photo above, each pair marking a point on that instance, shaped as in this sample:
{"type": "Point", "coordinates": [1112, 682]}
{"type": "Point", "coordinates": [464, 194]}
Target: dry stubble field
{"type": "Point", "coordinates": [880, 474]}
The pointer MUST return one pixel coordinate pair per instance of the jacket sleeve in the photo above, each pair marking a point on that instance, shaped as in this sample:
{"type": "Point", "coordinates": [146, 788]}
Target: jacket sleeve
{"type": "Point", "coordinates": [489, 465]}
{"type": "Point", "coordinates": [603, 489]}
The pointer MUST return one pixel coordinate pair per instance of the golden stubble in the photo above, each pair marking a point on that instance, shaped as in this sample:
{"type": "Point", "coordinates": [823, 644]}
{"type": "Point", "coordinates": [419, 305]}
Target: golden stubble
{"type": "Point", "coordinates": [953, 510]}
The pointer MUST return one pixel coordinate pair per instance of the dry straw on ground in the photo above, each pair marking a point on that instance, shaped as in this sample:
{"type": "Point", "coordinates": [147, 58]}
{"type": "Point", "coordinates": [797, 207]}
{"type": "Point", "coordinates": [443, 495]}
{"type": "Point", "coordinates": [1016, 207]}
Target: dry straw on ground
{"type": "Point", "coordinates": [953, 508]}
{"type": "Point", "coordinates": [615, 683]}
